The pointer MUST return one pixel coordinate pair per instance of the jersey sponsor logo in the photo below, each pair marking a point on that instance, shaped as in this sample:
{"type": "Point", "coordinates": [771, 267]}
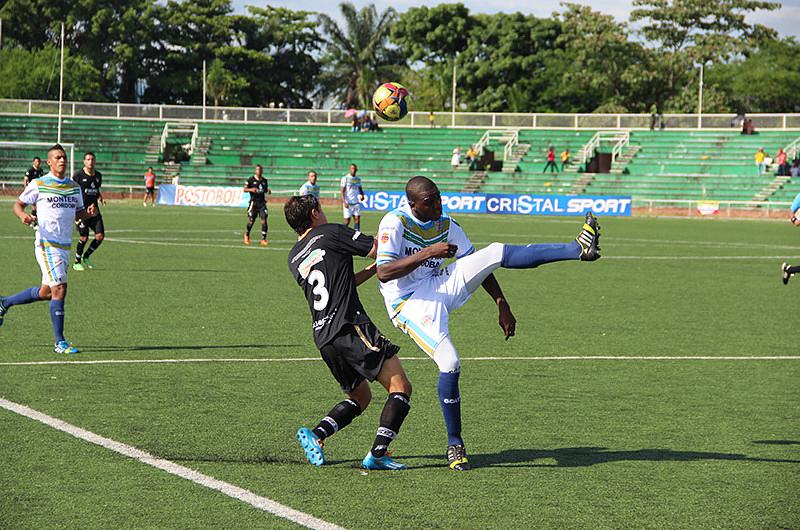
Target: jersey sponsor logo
{"type": "Point", "coordinates": [307, 248]}
{"type": "Point", "coordinates": [319, 324]}
{"type": "Point", "coordinates": [430, 263]}
{"type": "Point", "coordinates": [316, 256]}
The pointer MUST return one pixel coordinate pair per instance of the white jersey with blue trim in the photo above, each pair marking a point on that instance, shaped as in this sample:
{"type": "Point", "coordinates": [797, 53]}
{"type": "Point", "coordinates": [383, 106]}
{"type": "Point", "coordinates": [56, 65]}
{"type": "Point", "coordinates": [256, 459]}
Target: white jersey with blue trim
{"type": "Point", "coordinates": [401, 234]}
{"type": "Point", "coordinates": [796, 203]}
{"type": "Point", "coordinates": [309, 189]}
{"type": "Point", "coordinates": [352, 188]}
{"type": "Point", "coordinates": [57, 201]}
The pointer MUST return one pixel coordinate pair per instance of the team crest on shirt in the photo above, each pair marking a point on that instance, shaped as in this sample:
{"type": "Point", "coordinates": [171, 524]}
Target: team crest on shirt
{"type": "Point", "coordinates": [427, 320]}
{"type": "Point", "coordinates": [313, 258]}
{"type": "Point", "coordinates": [385, 237]}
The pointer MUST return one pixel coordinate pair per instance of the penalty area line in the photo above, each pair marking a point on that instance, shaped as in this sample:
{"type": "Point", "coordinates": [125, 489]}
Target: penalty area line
{"type": "Point", "coordinates": [240, 494]}
{"type": "Point", "coordinates": [468, 359]}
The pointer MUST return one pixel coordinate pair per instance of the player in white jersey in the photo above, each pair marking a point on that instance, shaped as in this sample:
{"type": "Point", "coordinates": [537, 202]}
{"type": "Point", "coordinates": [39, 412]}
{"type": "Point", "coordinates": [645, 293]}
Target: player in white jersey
{"type": "Point", "coordinates": [310, 186]}
{"type": "Point", "coordinates": [58, 204]}
{"type": "Point", "coordinates": [352, 193]}
{"type": "Point", "coordinates": [419, 293]}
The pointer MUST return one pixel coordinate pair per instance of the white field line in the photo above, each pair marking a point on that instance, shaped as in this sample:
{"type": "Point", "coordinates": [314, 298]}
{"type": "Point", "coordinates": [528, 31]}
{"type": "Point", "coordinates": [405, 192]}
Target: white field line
{"type": "Point", "coordinates": [468, 359]}
{"type": "Point", "coordinates": [256, 501]}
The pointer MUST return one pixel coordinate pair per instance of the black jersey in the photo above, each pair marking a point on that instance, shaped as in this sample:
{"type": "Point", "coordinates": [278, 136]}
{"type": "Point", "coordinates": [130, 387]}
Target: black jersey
{"type": "Point", "coordinates": [33, 173]}
{"type": "Point", "coordinates": [90, 186]}
{"type": "Point", "coordinates": [322, 264]}
{"type": "Point", "coordinates": [260, 195]}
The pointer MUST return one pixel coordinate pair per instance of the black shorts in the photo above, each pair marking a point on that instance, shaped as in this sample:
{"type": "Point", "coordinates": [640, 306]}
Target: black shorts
{"type": "Point", "coordinates": [356, 353]}
{"type": "Point", "coordinates": [149, 191]}
{"type": "Point", "coordinates": [257, 210]}
{"type": "Point", "coordinates": [94, 223]}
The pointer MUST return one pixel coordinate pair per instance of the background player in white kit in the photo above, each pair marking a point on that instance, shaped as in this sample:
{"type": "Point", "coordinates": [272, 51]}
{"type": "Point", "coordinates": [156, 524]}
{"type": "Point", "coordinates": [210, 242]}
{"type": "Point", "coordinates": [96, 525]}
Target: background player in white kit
{"type": "Point", "coordinates": [58, 204]}
{"type": "Point", "coordinates": [352, 193]}
{"type": "Point", "coordinates": [310, 186]}
{"type": "Point", "coordinates": [419, 294]}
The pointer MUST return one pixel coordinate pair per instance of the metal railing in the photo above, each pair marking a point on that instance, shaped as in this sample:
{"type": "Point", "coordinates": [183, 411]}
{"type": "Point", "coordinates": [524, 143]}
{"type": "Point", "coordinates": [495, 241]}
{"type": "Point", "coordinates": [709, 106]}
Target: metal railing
{"type": "Point", "coordinates": [620, 139]}
{"type": "Point", "coordinates": [470, 120]}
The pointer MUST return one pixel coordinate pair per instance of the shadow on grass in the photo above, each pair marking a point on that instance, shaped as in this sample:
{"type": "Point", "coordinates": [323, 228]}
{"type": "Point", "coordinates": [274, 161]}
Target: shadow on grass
{"type": "Point", "coordinates": [184, 347]}
{"type": "Point", "coordinates": [777, 442]}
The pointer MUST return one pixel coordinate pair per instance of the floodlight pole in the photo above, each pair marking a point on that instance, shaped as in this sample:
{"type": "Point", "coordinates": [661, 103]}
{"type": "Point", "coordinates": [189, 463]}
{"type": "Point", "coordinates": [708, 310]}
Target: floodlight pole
{"type": "Point", "coordinates": [204, 90]}
{"type": "Point", "coordinates": [61, 85]}
{"type": "Point", "coordinates": [453, 104]}
{"type": "Point", "coordinates": [700, 100]}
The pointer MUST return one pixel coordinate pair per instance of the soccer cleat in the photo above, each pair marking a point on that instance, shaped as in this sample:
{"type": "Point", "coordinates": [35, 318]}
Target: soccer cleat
{"type": "Point", "coordinates": [589, 238]}
{"type": "Point", "coordinates": [65, 347]}
{"type": "Point", "coordinates": [264, 243]}
{"type": "Point", "coordinates": [785, 275]}
{"type": "Point", "coordinates": [3, 310]}
{"type": "Point", "coordinates": [457, 458]}
{"type": "Point", "coordinates": [246, 239]}
{"type": "Point", "coordinates": [87, 263]}
{"type": "Point", "coordinates": [311, 445]}
{"type": "Point", "coordinates": [384, 462]}
{"type": "Point", "coordinates": [78, 267]}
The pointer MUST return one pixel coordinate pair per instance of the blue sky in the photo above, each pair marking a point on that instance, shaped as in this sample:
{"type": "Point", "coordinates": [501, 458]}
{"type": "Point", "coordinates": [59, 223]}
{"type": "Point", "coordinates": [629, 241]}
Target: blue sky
{"type": "Point", "coordinates": [786, 20]}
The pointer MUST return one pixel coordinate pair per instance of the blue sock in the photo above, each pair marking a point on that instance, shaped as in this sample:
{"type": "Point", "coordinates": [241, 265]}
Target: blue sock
{"type": "Point", "coordinates": [357, 225]}
{"type": "Point", "coordinates": [57, 316]}
{"type": "Point", "coordinates": [450, 400]}
{"type": "Point", "coordinates": [23, 297]}
{"type": "Point", "coordinates": [530, 256]}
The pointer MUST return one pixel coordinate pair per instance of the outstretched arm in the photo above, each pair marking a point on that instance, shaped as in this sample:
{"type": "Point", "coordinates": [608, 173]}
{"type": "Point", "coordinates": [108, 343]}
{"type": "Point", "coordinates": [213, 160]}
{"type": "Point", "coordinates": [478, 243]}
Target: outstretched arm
{"type": "Point", "coordinates": [506, 317]}
{"type": "Point", "coordinates": [403, 266]}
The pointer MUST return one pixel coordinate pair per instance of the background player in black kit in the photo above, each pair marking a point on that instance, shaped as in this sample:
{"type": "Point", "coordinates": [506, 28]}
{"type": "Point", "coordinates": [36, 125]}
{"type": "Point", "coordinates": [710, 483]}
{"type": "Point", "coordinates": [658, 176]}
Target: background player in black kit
{"type": "Point", "coordinates": [258, 188]}
{"type": "Point", "coordinates": [90, 180]}
{"type": "Point", "coordinates": [34, 172]}
{"type": "Point", "coordinates": [355, 351]}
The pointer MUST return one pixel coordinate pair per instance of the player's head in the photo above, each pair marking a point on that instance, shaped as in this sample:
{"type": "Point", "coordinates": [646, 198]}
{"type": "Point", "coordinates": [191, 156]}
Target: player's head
{"type": "Point", "coordinates": [150, 169]}
{"type": "Point", "coordinates": [36, 162]}
{"type": "Point", "coordinates": [303, 213]}
{"type": "Point", "coordinates": [57, 160]}
{"type": "Point", "coordinates": [353, 169]}
{"type": "Point", "coordinates": [88, 160]}
{"type": "Point", "coordinates": [312, 177]}
{"type": "Point", "coordinates": [424, 198]}
{"type": "Point", "coordinates": [259, 170]}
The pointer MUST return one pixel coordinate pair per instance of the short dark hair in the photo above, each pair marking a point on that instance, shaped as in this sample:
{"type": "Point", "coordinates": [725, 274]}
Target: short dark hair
{"type": "Point", "coordinates": [297, 211]}
{"type": "Point", "coordinates": [56, 147]}
{"type": "Point", "coordinates": [259, 166]}
{"type": "Point", "coordinates": [36, 158]}
{"type": "Point", "coordinates": [87, 153]}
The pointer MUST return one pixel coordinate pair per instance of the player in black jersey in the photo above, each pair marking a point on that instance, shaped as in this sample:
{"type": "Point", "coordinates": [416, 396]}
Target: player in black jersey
{"type": "Point", "coordinates": [34, 172]}
{"type": "Point", "coordinates": [258, 188]}
{"type": "Point", "coordinates": [355, 351]}
{"type": "Point", "coordinates": [90, 180]}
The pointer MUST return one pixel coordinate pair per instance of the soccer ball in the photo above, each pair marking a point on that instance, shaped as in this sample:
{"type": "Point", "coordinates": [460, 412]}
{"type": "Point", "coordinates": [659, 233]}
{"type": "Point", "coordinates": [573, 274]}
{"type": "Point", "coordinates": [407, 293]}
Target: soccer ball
{"type": "Point", "coordinates": [389, 101]}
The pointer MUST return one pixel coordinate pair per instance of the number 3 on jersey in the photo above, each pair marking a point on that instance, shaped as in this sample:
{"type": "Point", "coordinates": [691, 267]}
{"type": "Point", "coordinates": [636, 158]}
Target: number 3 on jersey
{"type": "Point", "coordinates": [317, 279]}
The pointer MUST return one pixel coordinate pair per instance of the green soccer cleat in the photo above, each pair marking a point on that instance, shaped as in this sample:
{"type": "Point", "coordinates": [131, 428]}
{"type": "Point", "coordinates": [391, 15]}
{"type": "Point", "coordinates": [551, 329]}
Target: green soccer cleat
{"type": "Point", "coordinates": [88, 263]}
{"type": "Point", "coordinates": [65, 347]}
{"type": "Point", "coordinates": [457, 458]}
{"type": "Point", "coordinates": [589, 238]}
{"type": "Point", "coordinates": [78, 267]}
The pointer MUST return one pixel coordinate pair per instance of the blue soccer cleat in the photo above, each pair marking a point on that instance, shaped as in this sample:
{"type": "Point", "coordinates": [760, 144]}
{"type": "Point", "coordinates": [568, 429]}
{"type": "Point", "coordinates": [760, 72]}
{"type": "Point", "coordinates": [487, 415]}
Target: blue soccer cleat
{"type": "Point", "coordinates": [3, 310]}
{"type": "Point", "coordinates": [65, 347]}
{"type": "Point", "coordinates": [384, 462]}
{"type": "Point", "coordinates": [311, 445]}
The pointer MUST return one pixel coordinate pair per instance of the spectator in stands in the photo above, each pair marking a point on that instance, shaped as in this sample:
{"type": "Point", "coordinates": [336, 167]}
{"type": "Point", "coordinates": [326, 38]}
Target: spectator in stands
{"type": "Point", "coordinates": [356, 124]}
{"type": "Point", "coordinates": [149, 187]}
{"type": "Point", "coordinates": [795, 169]}
{"type": "Point", "coordinates": [551, 161]}
{"type": "Point", "coordinates": [783, 164]}
{"type": "Point", "coordinates": [471, 156]}
{"type": "Point", "coordinates": [748, 127]}
{"type": "Point", "coordinates": [565, 161]}
{"type": "Point", "coordinates": [455, 160]}
{"type": "Point", "coordinates": [431, 119]}
{"type": "Point", "coordinates": [653, 116]}
{"type": "Point", "coordinates": [760, 158]}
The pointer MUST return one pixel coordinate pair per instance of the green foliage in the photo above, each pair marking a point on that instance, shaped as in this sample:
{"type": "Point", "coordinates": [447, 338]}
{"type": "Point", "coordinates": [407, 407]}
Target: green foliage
{"type": "Point", "coordinates": [34, 74]}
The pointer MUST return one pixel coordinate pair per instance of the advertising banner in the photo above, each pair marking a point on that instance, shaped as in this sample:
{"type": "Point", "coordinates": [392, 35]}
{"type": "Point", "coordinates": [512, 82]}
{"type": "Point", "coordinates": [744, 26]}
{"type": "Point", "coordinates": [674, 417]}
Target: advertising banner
{"type": "Point", "coordinates": [169, 194]}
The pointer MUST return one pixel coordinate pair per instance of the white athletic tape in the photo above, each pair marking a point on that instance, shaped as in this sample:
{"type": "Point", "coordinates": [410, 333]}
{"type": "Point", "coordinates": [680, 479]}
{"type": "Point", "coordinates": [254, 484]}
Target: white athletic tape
{"type": "Point", "coordinates": [256, 501]}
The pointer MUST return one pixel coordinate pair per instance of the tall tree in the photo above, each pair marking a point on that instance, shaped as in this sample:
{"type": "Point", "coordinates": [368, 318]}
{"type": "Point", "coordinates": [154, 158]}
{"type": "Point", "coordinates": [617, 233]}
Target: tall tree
{"type": "Point", "coordinates": [357, 57]}
{"type": "Point", "coordinates": [34, 74]}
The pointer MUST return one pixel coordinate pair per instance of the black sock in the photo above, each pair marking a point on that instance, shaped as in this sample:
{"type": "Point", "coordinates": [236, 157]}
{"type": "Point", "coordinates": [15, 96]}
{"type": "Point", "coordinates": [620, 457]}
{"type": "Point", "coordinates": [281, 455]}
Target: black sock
{"type": "Point", "coordinates": [793, 270]}
{"type": "Point", "coordinates": [338, 418]}
{"type": "Point", "coordinates": [79, 251]}
{"type": "Point", "coordinates": [394, 412]}
{"type": "Point", "coordinates": [92, 247]}
{"type": "Point", "coordinates": [249, 226]}
{"type": "Point", "coordinates": [264, 230]}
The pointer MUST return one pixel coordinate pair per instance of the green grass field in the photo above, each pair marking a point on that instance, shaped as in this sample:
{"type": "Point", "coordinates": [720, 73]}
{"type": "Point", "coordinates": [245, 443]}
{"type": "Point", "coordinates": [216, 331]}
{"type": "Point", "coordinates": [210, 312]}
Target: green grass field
{"type": "Point", "coordinates": [556, 443]}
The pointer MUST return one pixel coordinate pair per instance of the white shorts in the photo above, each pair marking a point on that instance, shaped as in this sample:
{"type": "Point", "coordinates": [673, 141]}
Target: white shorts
{"type": "Point", "coordinates": [54, 263]}
{"type": "Point", "coordinates": [351, 210]}
{"type": "Point", "coordinates": [425, 315]}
